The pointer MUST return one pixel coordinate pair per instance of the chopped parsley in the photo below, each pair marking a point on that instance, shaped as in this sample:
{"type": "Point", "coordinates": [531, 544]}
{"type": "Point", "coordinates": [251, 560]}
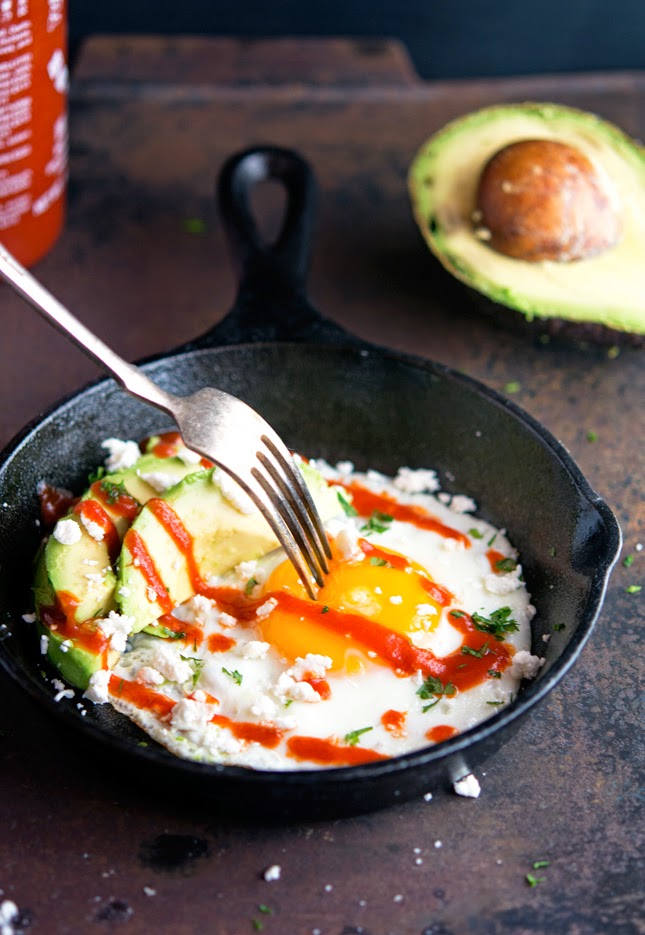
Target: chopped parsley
{"type": "Point", "coordinates": [325, 610]}
{"type": "Point", "coordinates": [250, 584]}
{"type": "Point", "coordinates": [166, 633]}
{"type": "Point", "coordinates": [379, 562]}
{"type": "Point", "coordinates": [98, 474]}
{"type": "Point", "coordinates": [257, 925]}
{"type": "Point", "coordinates": [194, 225]}
{"type": "Point", "coordinates": [142, 743]}
{"type": "Point", "coordinates": [513, 386]}
{"type": "Point", "coordinates": [494, 702]}
{"type": "Point", "coordinates": [494, 674]}
{"type": "Point", "coordinates": [434, 687]}
{"type": "Point", "coordinates": [113, 491]}
{"type": "Point", "coordinates": [539, 864]}
{"type": "Point", "coordinates": [348, 509]}
{"type": "Point", "coordinates": [506, 564]}
{"type": "Point", "coordinates": [633, 589]}
{"type": "Point", "coordinates": [552, 551]}
{"type": "Point", "coordinates": [196, 664]}
{"type": "Point", "coordinates": [378, 522]}
{"type": "Point", "coordinates": [558, 626]}
{"type": "Point", "coordinates": [475, 533]}
{"type": "Point", "coordinates": [235, 675]}
{"type": "Point", "coordinates": [480, 653]}
{"type": "Point", "coordinates": [499, 623]}
{"type": "Point", "coordinates": [353, 736]}
{"type": "Point", "coordinates": [265, 909]}
{"type": "Point", "coordinates": [592, 436]}
{"type": "Point", "coordinates": [628, 561]}
{"type": "Point", "coordinates": [457, 613]}
{"type": "Point", "coordinates": [288, 702]}
{"type": "Point", "coordinates": [491, 540]}
{"type": "Point", "coordinates": [534, 881]}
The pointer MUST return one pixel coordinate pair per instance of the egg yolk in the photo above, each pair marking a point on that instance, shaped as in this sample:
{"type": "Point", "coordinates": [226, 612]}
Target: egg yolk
{"type": "Point", "coordinates": [384, 587]}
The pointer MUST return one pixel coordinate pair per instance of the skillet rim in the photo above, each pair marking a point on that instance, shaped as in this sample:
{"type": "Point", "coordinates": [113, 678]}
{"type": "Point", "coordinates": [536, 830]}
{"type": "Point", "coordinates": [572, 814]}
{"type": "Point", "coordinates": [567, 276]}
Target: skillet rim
{"type": "Point", "coordinates": [500, 721]}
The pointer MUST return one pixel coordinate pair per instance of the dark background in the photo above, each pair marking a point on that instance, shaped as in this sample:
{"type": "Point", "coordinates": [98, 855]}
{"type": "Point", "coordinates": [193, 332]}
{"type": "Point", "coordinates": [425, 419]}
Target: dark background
{"type": "Point", "coordinates": [446, 38]}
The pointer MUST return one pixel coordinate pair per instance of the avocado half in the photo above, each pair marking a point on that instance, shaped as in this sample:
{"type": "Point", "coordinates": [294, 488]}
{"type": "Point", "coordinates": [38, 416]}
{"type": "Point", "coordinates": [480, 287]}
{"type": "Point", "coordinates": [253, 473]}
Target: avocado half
{"type": "Point", "coordinates": [601, 298]}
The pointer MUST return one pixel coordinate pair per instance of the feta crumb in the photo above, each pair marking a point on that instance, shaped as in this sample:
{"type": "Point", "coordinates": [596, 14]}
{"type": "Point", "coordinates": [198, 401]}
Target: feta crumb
{"type": "Point", "coordinates": [524, 665]}
{"type": "Point", "coordinates": [467, 786]}
{"type": "Point", "coordinates": [121, 455]}
{"type": "Point", "coordinates": [378, 590]}
{"type": "Point", "coordinates": [312, 666]}
{"type": "Point", "coordinates": [227, 620]}
{"type": "Point", "coordinates": [255, 649]}
{"type": "Point", "coordinates": [273, 873]}
{"type": "Point", "coordinates": [44, 644]}
{"type": "Point", "coordinates": [8, 915]}
{"type": "Point", "coordinates": [418, 861]}
{"type": "Point", "coordinates": [98, 687]}
{"type": "Point", "coordinates": [29, 618]}
{"type": "Point", "coordinates": [124, 591]}
{"type": "Point", "coordinates": [416, 481]}
{"type": "Point", "coordinates": [204, 609]}
{"type": "Point", "coordinates": [67, 532]}
{"type": "Point", "coordinates": [148, 675]}
{"type": "Point", "coordinates": [95, 531]}
{"type": "Point", "coordinates": [167, 659]}
{"type": "Point", "coordinates": [398, 898]}
{"type": "Point", "coordinates": [158, 480]}
{"type": "Point", "coordinates": [345, 468]}
{"type": "Point", "coordinates": [233, 493]}
{"type": "Point", "coordinates": [546, 637]}
{"type": "Point", "coordinates": [462, 504]}
{"type": "Point", "coordinates": [438, 844]}
{"type": "Point", "coordinates": [396, 599]}
{"type": "Point", "coordinates": [264, 708]}
{"type": "Point", "coordinates": [65, 646]}
{"type": "Point", "coordinates": [268, 607]}
{"type": "Point", "coordinates": [247, 570]}
{"type": "Point", "coordinates": [346, 536]}
{"type": "Point", "coordinates": [328, 887]}
{"type": "Point", "coordinates": [90, 562]}
{"type": "Point", "coordinates": [149, 891]}
{"type": "Point", "coordinates": [427, 797]}
{"type": "Point", "coordinates": [286, 723]}
{"type": "Point", "coordinates": [63, 693]}
{"type": "Point", "coordinates": [151, 594]}
{"type": "Point", "coordinates": [191, 715]}
{"type": "Point", "coordinates": [188, 456]}
{"type": "Point", "coordinates": [117, 628]}
{"type": "Point", "coordinates": [303, 691]}
{"type": "Point", "coordinates": [503, 584]}
{"type": "Point", "coordinates": [425, 610]}
{"type": "Point", "coordinates": [58, 685]}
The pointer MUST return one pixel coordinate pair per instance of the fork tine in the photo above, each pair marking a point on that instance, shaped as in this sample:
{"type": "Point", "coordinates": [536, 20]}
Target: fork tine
{"type": "Point", "coordinates": [301, 515]}
{"type": "Point", "coordinates": [268, 504]}
{"type": "Point", "coordinates": [287, 515]}
{"type": "Point", "coordinates": [286, 462]}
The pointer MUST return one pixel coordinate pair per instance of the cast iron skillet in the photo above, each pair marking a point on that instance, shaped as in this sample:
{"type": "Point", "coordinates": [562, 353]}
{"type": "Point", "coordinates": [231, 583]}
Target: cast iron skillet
{"type": "Point", "coordinates": [330, 395]}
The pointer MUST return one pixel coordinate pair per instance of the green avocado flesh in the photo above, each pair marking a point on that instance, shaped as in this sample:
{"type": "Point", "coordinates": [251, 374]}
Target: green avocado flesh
{"type": "Point", "coordinates": [76, 584]}
{"type": "Point", "coordinates": [606, 289]}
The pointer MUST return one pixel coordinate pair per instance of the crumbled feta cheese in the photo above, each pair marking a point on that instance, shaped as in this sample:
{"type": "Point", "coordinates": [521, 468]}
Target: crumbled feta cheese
{"type": "Point", "coordinates": [191, 715]}
{"type": "Point", "coordinates": [268, 607]}
{"type": "Point", "coordinates": [264, 708]}
{"type": "Point", "coordinates": [149, 891]}
{"type": "Point", "coordinates": [232, 492]}
{"type": "Point", "coordinates": [346, 536]}
{"type": "Point", "coordinates": [462, 504]}
{"type": "Point", "coordinates": [255, 649]}
{"type": "Point", "coordinates": [273, 873]}
{"type": "Point", "coordinates": [416, 481]}
{"type": "Point", "coordinates": [152, 595]}
{"type": "Point", "coordinates": [65, 646]}
{"type": "Point", "coordinates": [29, 618]}
{"type": "Point", "coordinates": [345, 468]}
{"type": "Point", "coordinates": [546, 637]}
{"type": "Point", "coordinates": [438, 844]}
{"type": "Point", "coordinates": [124, 591]}
{"type": "Point", "coordinates": [116, 627]}
{"type": "Point", "coordinates": [396, 599]}
{"type": "Point", "coordinates": [286, 723]}
{"type": "Point", "coordinates": [427, 797]}
{"type": "Point", "coordinates": [95, 577]}
{"type": "Point", "coordinates": [58, 685]}
{"type": "Point", "coordinates": [67, 532]}
{"type": "Point", "coordinates": [63, 693]}
{"type": "Point", "coordinates": [98, 687]}
{"type": "Point", "coordinates": [188, 456]}
{"type": "Point", "coordinates": [167, 659]}
{"type": "Point", "coordinates": [467, 786]}
{"type": "Point", "coordinates": [325, 469]}
{"type": "Point", "coordinates": [313, 665]}
{"type": "Point", "coordinates": [121, 455]}
{"type": "Point", "coordinates": [95, 531]}
{"type": "Point", "coordinates": [148, 675]}
{"type": "Point", "coordinates": [503, 584]}
{"type": "Point", "coordinates": [158, 480]}
{"type": "Point", "coordinates": [303, 691]}
{"type": "Point", "coordinates": [8, 915]}
{"type": "Point", "coordinates": [227, 620]}
{"type": "Point", "coordinates": [524, 665]}
{"type": "Point", "coordinates": [247, 570]}
{"type": "Point", "coordinates": [44, 644]}
{"type": "Point", "coordinates": [425, 610]}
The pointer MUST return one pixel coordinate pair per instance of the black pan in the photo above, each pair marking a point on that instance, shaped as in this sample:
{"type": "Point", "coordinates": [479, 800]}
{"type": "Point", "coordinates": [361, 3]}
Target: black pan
{"type": "Point", "coordinates": [329, 395]}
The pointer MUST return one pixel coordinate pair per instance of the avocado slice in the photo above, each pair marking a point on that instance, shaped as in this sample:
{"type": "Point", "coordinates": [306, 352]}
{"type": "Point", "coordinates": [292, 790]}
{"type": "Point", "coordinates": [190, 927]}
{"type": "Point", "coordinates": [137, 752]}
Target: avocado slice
{"type": "Point", "coordinates": [189, 534]}
{"type": "Point", "coordinates": [600, 296]}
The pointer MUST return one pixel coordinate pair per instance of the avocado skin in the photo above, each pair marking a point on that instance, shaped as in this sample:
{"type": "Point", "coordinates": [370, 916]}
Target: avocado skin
{"type": "Point", "coordinates": [514, 310]}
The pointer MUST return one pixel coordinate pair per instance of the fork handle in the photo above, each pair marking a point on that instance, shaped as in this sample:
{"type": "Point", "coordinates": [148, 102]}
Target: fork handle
{"type": "Point", "coordinates": [127, 375]}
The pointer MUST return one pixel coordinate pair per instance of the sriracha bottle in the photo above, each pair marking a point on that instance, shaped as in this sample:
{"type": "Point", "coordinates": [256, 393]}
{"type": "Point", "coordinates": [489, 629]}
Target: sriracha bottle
{"type": "Point", "coordinates": [33, 125]}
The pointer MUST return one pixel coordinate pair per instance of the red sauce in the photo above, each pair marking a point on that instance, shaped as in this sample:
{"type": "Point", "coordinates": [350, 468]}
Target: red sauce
{"type": "Point", "coordinates": [219, 643]}
{"type": "Point", "coordinates": [93, 512]}
{"type": "Point", "coordinates": [190, 632]}
{"type": "Point", "coordinates": [329, 753]}
{"type": "Point", "coordinates": [394, 722]}
{"type": "Point", "coordinates": [55, 502]}
{"type": "Point", "coordinates": [60, 619]}
{"type": "Point", "coordinates": [321, 686]}
{"type": "Point", "coordinates": [116, 501]}
{"type": "Point", "coordinates": [169, 444]}
{"type": "Point", "coordinates": [264, 734]}
{"type": "Point", "coordinates": [234, 602]}
{"type": "Point", "coordinates": [141, 696]}
{"type": "Point", "coordinates": [441, 732]}
{"type": "Point", "coordinates": [141, 557]}
{"type": "Point", "coordinates": [436, 591]}
{"type": "Point", "coordinates": [366, 501]}
{"type": "Point", "coordinates": [179, 535]}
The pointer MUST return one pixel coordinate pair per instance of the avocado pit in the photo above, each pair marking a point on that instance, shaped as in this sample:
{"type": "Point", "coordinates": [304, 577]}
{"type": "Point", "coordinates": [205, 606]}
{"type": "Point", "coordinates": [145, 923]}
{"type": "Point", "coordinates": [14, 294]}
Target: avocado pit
{"type": "Point", "coordinates": [541, 199]}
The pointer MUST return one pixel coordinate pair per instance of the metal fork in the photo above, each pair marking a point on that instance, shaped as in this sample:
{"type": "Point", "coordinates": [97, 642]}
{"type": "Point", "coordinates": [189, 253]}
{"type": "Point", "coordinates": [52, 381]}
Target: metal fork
{"type": "Point", "coordinates": [216, 425]}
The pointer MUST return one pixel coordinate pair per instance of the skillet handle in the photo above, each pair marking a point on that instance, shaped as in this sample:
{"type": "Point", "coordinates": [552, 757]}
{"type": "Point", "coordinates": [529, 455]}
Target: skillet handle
{"type": "Point", "coordinates": [272, 303]}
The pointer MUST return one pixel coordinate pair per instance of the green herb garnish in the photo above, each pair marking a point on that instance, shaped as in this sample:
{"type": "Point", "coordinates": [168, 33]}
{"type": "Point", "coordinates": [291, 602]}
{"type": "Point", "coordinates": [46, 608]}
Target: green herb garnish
{"type": "Point", "coordinates": [592, 436]}
{"type": "Point", "coordinates": [353, 736]}
{"type": "Point", "coordinates": [98, 474]}
{"type": "Point", "coordinates": [250, 584]}
{"type": "Point", "coordinates": [476, 534]}
{"type": "Point", "coordinates": [265, 909]}
{"type": "Point", "coordinates": [166, 633]}
{"type": "Point", "coordinates": [235, 675]}
{"type": "Point", "coordinates": [457, 613]}
{"type": "Point", "coordinates": [534, 881]}
{"type": "Point", "coordinates": [480, 653]}
{"type": "Point", "coordinates": [492, 539]}
{"type": "Point", "coordinates": [378, 522]}
{"type": "Point", "coordinates": [539, 864]}
{"type": "Point", "coordinates": [288, 702]}
{"type": "Point", "coordinates": [633, 589]}
{"type": "Point", "coordinates": [257, 925]}
{"type": "Point", "coordinates": [558, 626]}
{"type": "Point", "coordinates": [194, 226]}
{"type": "Point", "coordinates": [196, 664]}
{"type": "Point", "coordinates": [494, 674]}
{"type": "Point", "coordinates": [113, 491]}
{"type": "Point", "coordinates": [348, 509]}
{"type": "Point", "coordinates": [434, 687]}
{"type": "Point", "coordinates": [325, 610]}
{"type": "Point", "coordinates": [552, 551]}
{"type": "Point", "coordinates": [506, 564]}
{"type": "Point", "coordinates": [494, 702]}
{"type": "Point", "coordinates": [628, 561]}
{"type": "Point", "coordinates": [513, 386]}
{"type": "Point", "coordinates": [499, 623]}
{"type": "Point", "coordinates": [379, 562]}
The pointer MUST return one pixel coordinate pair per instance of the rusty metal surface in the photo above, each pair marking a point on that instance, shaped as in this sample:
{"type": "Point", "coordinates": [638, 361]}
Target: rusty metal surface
{"type": "Point", "coordinates": [80, 849]}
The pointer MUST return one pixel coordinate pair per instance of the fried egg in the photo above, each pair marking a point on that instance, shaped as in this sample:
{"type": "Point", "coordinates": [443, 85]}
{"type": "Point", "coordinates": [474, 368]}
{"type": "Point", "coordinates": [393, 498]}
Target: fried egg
{"type": "Point", "coordinates": [421, 631]}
